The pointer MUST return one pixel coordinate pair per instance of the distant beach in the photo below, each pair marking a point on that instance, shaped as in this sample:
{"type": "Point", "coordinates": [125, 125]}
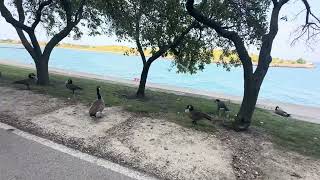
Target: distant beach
{"type": "Point", "coordinates": [125, 50]}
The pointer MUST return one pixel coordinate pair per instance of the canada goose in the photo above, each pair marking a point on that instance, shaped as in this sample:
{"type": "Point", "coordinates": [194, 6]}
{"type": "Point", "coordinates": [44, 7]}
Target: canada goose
{"type": "Point", "coordinates": [97, 105]}
{"type": "Point", "coordinates": [221, 105]}
{"type": "Point", "coordinates": [196, 115]}
{"type": "Point", "coordinates": [281, 112]}
{"type": "Point", "coordinates": [71, 86]}
{"type": "Point", "coordinates": [32, 78]}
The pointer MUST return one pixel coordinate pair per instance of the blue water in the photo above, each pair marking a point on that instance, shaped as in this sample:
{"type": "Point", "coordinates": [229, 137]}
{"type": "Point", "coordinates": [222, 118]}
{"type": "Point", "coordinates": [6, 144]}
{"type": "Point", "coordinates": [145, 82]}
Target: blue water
{"type": "Point", "coordinates": [292, 85]}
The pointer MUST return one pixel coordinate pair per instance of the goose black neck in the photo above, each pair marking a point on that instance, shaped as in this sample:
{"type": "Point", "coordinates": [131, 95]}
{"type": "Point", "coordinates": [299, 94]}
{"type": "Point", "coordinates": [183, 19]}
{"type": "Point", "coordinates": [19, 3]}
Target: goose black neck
{"type": "Point", "coordinates": [98, 93]}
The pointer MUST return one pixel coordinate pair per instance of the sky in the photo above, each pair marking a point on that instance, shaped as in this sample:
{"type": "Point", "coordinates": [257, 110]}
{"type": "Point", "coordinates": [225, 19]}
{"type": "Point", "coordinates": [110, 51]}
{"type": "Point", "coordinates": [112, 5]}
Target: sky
{"type": "Point", "coordinates": [282, 47]}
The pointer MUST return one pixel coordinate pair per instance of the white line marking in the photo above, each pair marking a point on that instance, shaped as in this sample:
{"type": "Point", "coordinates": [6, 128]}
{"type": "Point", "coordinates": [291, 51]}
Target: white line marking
{"type": "Point", "coordinates": [75, 153]}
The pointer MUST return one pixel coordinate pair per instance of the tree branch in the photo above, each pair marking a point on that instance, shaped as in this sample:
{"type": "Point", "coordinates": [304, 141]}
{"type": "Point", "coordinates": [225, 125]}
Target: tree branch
{"type": "Point", "coordinates": [26, 43]}
{"type": "Point", "coordinates": [275, 2]}
{"type": "Point", "coordinates": [35, 43]}
{"type": "Point", "coordinates": [267, 40]}
{"type": "Point", "coordinates": [173, 44]}
{"type": "Point", "coordinates": [9, 18]}
{"type": "Point", "coordinates": [231, 35]}
{"type": "Point", "coordinates": [66, 5]}
{"type": "Point", "coordinates": [42, 5]}
{"type": "Point", "coordinates": [70, 25]}
{"type": "Point", "coordinates": [18, 4]}
{"type": "Point", "coordinates": [305, 2]}
{"type": "Point", "coordinates": [79, 12]}
{"type": "Point", "coordinates": [137, 39]}
{"type": "Point", "coordinates": [24, 40]}
{"type": "Point", "coordinates": [308, 23]}
{"type": "Point", "coordinates": [282, 2]}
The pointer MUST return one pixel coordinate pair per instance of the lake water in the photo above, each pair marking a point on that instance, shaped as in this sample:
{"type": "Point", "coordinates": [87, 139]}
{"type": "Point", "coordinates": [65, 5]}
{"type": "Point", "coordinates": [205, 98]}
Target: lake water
{"type": "Point", "coordinates": [291, 85]}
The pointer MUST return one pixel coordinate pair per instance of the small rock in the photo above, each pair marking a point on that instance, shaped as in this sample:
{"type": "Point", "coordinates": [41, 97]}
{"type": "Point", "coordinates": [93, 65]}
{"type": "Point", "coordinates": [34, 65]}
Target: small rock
{"type": "Point", "coordinates": [315, 138]}
{"type": "Point", "coordinates": [243, 171]}
{"type": "Point", "coordinates": [165, 148]}
{"type": "Point", "coordinates": [152, 139]}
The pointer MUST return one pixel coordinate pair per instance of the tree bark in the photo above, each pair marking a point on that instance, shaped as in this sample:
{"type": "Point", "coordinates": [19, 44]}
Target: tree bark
{"type": "Point", "coordinates": [143, 80]}
{"type": "Point", "coordinates": [250, 97]}
{"type": "Point", "coordinates": [42, 71]}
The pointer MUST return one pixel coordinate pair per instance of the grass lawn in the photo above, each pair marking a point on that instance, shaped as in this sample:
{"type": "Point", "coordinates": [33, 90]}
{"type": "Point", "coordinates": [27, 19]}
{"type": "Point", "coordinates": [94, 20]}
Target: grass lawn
{"type": "Point", "coordinates": [290, 134]}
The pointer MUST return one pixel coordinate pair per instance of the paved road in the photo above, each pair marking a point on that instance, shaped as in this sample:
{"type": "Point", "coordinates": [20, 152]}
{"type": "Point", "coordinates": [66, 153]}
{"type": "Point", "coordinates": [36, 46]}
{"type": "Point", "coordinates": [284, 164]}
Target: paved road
{"type": "Point", "coordinates": [23, 159]}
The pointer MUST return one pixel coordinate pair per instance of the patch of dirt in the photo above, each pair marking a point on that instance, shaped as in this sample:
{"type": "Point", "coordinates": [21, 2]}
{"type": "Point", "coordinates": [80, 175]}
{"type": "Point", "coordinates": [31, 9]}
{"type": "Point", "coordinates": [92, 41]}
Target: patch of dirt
{"type": "Point", "coordinates": [287, 165]}
{"type": "Point", "coordinates": [74, 121]}
{"type": "Point", "coordinates": [152, 145]}
{"type": "Point", "coordinates": [173, 152]}
{"type": "Point", "coordinates": [24, 103]}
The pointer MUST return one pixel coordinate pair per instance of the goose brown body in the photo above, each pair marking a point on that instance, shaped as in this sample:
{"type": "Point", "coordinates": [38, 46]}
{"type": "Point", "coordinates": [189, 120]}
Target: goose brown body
{"type": "Point", "coordinates": [221, 105]}
{"type": "Point", "coordinates": [196, 115]}
{"type": "Point", "coordinates": [98, 105]}
{"type": "Point", "coordinates": [32, 79]}
{"type": "Point", "coordinates": [281, 112]}
{"type": "Point", "coordinates": [72, 87]}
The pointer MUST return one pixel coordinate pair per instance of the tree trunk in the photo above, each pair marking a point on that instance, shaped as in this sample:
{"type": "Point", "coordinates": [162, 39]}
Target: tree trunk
{"type": "Point", "coordinates": [143, 80]}
{"type": "Point", "coordinates": [250, 97]}
{"type": "Point", "coordinates": [252, 86]}
{"type": "Point", "coordinates": [42, 71]}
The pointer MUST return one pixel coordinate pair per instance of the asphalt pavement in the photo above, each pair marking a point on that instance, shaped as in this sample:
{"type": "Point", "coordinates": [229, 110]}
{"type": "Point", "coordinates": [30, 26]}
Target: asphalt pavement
{"type": "Point", "coordinates": [24, 159]}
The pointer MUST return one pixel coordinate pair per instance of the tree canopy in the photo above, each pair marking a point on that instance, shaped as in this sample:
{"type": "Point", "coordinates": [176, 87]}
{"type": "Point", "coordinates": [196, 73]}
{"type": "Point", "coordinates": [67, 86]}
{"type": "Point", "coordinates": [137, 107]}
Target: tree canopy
{"type": "Point", "coordinates": [59, 19]}
{"type": "Point", "coordinates": [163, 28]}
{"type": "Point", "coordinates": [156, 25]}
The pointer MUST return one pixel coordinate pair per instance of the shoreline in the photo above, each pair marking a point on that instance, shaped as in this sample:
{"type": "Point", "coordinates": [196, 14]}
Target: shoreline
{"type": "Point", "coordinates": [308, 65]}
{"type": "Point", "coordinates": [300, 112]}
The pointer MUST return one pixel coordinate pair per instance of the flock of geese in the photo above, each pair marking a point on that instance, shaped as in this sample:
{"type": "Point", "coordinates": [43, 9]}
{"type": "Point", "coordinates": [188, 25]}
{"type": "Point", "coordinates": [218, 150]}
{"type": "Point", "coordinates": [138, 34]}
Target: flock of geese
{"type": "Point", "coordinates": [98, 105]}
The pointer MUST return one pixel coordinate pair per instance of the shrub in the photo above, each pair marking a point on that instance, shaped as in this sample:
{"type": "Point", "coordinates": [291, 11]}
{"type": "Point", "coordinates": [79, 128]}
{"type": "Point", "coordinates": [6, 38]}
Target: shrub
{"type": "Point", "coordinates": [301, 61]}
